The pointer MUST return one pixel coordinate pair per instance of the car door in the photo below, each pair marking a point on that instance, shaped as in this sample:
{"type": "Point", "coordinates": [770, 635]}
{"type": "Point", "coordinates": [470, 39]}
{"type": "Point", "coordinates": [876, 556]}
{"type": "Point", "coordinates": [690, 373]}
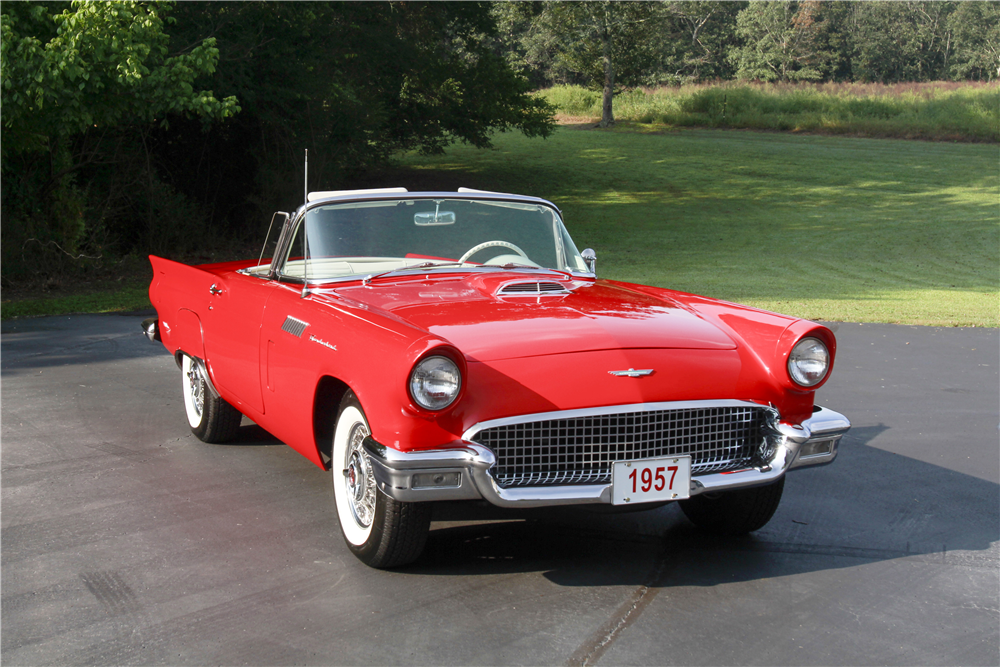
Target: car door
{"type": "Point", "coordinates": [298, 343]}
{"type": "Point", "coordinates": [232, 322]}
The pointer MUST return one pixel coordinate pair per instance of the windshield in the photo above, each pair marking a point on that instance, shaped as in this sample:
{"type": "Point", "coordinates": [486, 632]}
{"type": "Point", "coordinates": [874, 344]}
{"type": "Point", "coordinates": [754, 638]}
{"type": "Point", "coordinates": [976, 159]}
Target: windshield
{"type": "Point", "coordinates": [370, 237]}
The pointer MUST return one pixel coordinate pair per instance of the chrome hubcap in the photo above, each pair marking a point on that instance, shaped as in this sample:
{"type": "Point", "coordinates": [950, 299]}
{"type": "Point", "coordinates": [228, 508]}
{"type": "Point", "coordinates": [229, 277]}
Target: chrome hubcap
{"type": "Point", "coordinates": [196, 387]}
{"type": "Point", "coordinates": [358, 477]}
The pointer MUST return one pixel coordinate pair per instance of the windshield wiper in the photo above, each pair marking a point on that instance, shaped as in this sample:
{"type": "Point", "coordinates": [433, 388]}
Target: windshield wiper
{"type": "Point", "coordinates": [521, 267]}
{"type": "Point", "coordinates": [439, 265]}
{"type": "Point", "coordinates": [426, 265]}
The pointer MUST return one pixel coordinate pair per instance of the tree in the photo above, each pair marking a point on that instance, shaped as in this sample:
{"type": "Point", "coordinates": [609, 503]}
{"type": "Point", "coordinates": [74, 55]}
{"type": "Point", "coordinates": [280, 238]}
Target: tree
{"type": "Point", "coordinates": [900, 41]}
{"type": "Point", "coordinates": [697, 38]}
{"type": "Point", "coordinates": [69, 81]}
{"type": "Point", "coordinates": [102, 64]}
{"type": "Point", "coordinates": [522, 38]}
{"type": "Point", "coordinates": [779, 41]}
{"type": "Point", "coordinates": [354, 82]}
{"type": "Point", "coordinates": [975, 30]}
{"type": "Point", "coordinates": [609, 44]}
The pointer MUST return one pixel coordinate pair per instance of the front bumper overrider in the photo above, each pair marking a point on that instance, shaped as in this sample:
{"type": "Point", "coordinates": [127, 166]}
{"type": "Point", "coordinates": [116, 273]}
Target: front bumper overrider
{"type": "Point", "coordinates": [462, 472]}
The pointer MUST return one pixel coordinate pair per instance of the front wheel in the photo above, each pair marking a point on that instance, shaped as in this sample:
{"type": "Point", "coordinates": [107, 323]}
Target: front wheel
{"type": "Point", "coordinates": [734, 512]}
{"type": "Point", "coordinates": [380, 531]}
{"type": "Point", "coordinates": [210, 417]}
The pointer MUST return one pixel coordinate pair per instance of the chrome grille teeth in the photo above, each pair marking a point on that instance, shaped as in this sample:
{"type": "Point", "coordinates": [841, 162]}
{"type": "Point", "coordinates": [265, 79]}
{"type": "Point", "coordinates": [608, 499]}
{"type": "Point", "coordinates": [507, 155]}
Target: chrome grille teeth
{"type": "Point", "coordinates": [581, 450]}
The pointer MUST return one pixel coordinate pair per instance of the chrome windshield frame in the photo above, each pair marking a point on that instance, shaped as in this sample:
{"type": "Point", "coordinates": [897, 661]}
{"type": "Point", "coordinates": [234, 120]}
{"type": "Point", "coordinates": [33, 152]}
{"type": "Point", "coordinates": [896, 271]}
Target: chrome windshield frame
{"type": "Point", "coordinates": [293, 221]}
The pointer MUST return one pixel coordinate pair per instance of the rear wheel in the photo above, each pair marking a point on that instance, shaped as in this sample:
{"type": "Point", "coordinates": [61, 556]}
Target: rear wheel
{"type": "Point", "coordinates": [210, 417]}
{"type": "Point", "coordinates": [734, 512]}
{"type": "Point", "coordinates": [380, 531]}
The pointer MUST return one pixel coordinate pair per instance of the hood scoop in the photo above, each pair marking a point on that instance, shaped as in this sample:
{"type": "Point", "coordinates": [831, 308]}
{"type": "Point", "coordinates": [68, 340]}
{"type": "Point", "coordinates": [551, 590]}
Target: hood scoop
{"type": "Point", "coordinates": [532, 288]}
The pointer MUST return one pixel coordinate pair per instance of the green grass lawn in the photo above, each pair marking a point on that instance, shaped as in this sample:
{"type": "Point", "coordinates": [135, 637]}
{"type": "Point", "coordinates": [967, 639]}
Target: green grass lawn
{"type": "Point", "coordinates": [119, 299]}
{"type": "Point", "coordinates": [829, 228]}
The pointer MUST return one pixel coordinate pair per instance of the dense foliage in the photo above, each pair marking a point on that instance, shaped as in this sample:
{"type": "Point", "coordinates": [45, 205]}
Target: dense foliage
{"type": "Point", "coordinates": [784, 40]}
{"type": "Point", "coordinates": [114, 141]}
{"type": "Point", "coordinates": [74, 80]}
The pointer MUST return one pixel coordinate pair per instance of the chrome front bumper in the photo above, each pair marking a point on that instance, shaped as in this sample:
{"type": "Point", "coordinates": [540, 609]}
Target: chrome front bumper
{"type": "Point", "coordinates": [462, 473]}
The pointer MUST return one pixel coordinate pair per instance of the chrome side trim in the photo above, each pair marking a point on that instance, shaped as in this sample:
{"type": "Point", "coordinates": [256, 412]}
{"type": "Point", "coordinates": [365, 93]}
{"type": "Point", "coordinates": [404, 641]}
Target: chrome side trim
{"type": "Point", "coordinates": [632, 373]}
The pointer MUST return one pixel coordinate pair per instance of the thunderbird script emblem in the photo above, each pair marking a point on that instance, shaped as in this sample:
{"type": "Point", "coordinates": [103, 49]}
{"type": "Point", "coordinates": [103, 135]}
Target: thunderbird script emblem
{"type": "Point", "coordinates": [632, 373]}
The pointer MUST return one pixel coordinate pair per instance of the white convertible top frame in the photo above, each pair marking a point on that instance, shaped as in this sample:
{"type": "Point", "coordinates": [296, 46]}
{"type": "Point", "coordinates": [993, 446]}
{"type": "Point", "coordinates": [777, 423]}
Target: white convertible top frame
{"type": "Point", "coordinates": [325, 194]}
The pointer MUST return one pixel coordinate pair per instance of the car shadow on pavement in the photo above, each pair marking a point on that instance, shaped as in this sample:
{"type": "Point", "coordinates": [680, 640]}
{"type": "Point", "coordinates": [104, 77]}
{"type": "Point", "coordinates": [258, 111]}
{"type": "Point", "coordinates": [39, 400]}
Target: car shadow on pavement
{"type": "Point", "coordinates": [871, 505]}
{"type": "Point", "coordinates": [250, 435]}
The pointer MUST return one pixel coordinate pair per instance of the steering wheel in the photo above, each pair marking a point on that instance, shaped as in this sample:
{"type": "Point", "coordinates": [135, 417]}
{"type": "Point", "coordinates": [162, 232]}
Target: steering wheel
{"type": "Point", "coordinates": [491, 244]}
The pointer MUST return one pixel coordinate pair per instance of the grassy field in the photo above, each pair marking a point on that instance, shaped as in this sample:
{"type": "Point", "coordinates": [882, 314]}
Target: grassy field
{"type": "Point", "coordinates": [829, 228]}
{"type": "Point", "coordinates": [948, 111]}
{"type": "Point", "coordinates": [131, 296]}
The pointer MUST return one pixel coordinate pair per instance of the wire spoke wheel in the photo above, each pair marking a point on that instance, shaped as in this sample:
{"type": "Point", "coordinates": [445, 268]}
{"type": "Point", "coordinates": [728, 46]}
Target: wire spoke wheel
{"type": "Point", "coordinates": [196, 390]}
{"type": "Point", "coordinates": [210, 417]}
{"type": "Point", "coordinates": [359, 478]}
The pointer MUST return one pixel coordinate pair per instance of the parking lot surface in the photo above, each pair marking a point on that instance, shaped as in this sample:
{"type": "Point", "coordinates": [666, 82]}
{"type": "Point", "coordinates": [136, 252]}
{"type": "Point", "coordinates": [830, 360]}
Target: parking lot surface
{"type": "Point", "coordinates": [125, 540]}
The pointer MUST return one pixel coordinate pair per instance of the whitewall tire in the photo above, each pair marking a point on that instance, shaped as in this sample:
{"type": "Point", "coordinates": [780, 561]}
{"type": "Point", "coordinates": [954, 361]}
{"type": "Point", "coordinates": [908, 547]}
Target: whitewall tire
{"type": "Point", "coordinates": [210, 417]}
{"type": "Point", "coordinates": [380, 531]}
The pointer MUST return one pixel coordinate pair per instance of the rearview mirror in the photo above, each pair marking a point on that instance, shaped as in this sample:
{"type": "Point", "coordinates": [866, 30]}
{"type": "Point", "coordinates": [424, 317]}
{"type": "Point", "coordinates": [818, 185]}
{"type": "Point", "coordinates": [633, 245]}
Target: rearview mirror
{"type": "Point", "coordinates": [435, 218]}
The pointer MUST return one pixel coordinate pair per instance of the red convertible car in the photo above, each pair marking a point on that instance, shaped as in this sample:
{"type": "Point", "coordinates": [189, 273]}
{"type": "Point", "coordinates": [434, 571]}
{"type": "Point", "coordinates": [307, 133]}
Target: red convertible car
{"type": "Point", "coordinates": [448, 346]}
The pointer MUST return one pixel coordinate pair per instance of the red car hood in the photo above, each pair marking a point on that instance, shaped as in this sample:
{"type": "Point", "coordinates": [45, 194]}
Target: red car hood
{"type": "Point", "coordinates": [466, 311]}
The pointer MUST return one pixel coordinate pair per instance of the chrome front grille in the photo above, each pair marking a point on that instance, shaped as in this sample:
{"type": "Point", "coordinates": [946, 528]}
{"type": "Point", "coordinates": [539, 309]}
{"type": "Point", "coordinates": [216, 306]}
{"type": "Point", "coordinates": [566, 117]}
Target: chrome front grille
{"type": "Point", "coordinates": [580, 449]}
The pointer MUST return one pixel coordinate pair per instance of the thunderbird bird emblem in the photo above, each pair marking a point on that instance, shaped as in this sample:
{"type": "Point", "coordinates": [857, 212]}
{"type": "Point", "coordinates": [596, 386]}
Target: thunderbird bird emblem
{"type": "Point", "coordinates": [632, 373]}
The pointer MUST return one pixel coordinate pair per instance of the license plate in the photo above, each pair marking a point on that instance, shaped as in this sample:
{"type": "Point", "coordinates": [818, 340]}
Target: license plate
{"type": "Point", "coordinates": [651, 480]}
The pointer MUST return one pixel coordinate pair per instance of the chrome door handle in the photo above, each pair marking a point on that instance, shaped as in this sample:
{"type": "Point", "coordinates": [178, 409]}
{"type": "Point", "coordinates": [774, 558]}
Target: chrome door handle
{"type": "Point", "coordinates": [214, 289]}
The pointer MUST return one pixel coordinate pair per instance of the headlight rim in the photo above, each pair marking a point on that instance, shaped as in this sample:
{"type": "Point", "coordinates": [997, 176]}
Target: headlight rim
{"type": "Point", "coordinates": [410, 382]}
{"type": "Point", "coordinates": [791, 367]}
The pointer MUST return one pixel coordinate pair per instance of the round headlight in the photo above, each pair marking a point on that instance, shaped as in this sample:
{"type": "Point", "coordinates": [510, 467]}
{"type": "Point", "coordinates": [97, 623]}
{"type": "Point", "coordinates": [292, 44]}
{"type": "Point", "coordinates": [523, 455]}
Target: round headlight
{"type": "Point", "coordinates": [434, 383]}
{"type": "Point", "coordinates": [808, 362]}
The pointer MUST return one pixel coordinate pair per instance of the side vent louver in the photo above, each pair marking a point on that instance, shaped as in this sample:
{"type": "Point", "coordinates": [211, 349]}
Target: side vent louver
{"type": "Point", "coordinates": [532, 289]}
{"type": "Point", "coordinates": [294, 326]}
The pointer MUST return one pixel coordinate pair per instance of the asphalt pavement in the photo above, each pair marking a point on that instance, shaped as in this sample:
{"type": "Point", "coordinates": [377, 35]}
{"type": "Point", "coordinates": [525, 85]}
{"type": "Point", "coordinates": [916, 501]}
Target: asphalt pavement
{"type": "Point", "coordinates": [125, 540]}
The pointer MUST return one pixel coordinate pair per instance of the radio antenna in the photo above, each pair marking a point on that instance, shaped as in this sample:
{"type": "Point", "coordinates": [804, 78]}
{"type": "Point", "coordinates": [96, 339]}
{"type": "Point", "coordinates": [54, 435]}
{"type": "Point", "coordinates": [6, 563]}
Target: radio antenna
{"type": "Point", "coordinates": [305, 234]}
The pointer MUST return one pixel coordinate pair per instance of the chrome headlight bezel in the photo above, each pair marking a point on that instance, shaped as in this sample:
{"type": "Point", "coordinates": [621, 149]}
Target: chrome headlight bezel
{"type": "Point", "coordinates": [809, 362]}
{"type": "Point", "coordinates": [435, 382]}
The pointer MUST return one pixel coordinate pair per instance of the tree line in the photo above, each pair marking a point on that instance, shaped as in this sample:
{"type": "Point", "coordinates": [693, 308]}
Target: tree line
{"type": "Point", "coordinates": [131, 127]}
{"type": "Point", "coordinates": [615, 45]}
